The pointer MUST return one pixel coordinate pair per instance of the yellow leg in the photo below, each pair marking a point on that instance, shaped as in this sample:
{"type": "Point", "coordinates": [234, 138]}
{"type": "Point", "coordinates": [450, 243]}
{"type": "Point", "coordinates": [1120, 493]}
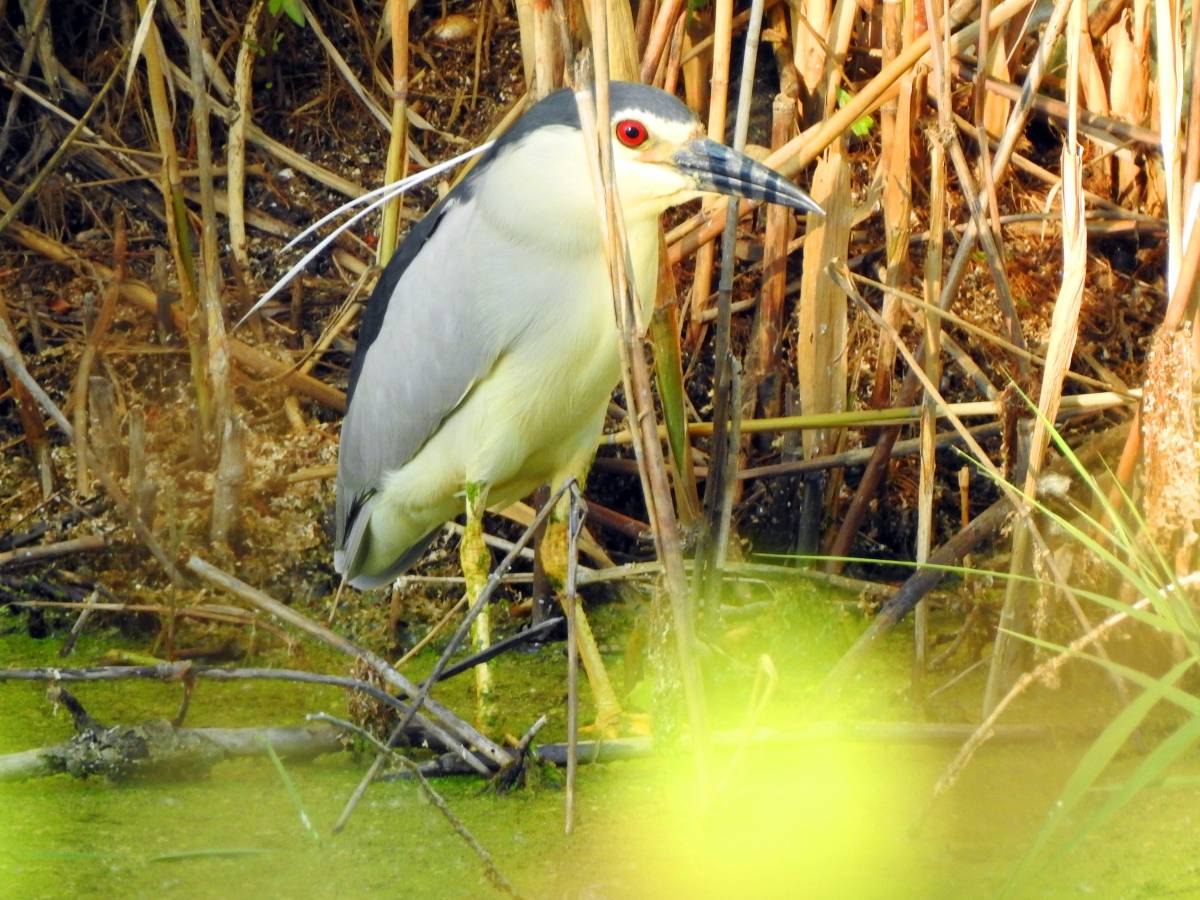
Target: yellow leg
{"type": "Point", "coordinates": [610, 718]}
{"type": "Point", "coordinates": [476, 562]}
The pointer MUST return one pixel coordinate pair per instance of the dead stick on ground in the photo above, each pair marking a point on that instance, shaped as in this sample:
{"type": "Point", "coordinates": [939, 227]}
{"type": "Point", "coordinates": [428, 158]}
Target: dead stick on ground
{"type": "Point", "coordinates": [50, 551]}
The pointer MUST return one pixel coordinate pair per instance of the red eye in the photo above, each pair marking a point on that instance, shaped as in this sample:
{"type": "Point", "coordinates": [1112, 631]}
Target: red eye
{"type": "Point", "coordinates": [631, 133]}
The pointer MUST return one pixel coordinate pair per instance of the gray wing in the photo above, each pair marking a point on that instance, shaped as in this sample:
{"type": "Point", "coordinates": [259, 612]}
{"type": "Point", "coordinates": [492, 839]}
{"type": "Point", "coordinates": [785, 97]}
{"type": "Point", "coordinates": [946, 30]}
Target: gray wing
{"type": "Point", "coordinates": [420, 350]}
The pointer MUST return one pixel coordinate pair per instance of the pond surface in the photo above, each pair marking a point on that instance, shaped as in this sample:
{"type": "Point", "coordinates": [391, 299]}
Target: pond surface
{"type": "Point", "coordinates": [796, 818]}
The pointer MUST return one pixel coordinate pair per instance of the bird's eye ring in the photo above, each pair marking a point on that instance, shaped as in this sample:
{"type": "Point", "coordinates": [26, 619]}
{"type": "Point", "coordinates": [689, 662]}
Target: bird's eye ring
{"type": "Point", "coordinates": [631, 133]}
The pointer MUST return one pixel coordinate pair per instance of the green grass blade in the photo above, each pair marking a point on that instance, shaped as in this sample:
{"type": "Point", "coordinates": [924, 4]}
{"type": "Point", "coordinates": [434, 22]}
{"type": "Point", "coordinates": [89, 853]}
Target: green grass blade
{"type": "Point", "coordinates": [1149, 770]}
{"type": "Point", "coordinates": [1092, 765]}
{"type": "Point", "coordinates": [290, 786]}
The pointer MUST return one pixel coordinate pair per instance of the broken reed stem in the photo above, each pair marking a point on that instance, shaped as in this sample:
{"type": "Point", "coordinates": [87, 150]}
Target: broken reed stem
{"type": "Point", "coordinates": [1014, 614]}
{"type": "Point", "coordinates": [93, 340]}
{"type": "Point", "coordinates": [210, 281]}
{"type": "Point", "coordinates": [635, 372]}
{"type": "Point", "coordinates": [397, 157]}
{"type": "Point", "coordinates": [718, 506]}
{"type": "Point", "coordinates": [178, 232]}
{"type": "Point", "coordinates": [235, 148]}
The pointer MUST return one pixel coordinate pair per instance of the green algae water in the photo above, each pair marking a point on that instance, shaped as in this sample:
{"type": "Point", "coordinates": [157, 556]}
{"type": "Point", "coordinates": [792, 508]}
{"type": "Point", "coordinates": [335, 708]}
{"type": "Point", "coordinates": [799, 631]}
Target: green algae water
{"type": "Point", "coordinates": [802, 817]}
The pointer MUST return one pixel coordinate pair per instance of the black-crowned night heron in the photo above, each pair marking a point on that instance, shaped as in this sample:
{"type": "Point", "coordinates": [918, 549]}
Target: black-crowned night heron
{"type": "Point", "coordinates": [489, 347]}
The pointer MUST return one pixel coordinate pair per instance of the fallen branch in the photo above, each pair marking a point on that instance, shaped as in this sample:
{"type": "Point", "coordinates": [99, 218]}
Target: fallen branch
{"type": "Point", "coordinates": [157, 748]}
{"type": "Point", "coordinates": [51, 551]}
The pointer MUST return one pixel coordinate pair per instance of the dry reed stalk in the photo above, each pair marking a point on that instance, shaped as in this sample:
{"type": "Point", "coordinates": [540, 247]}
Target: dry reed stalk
{"type": "Point", "coordinates": [695, 67]}
{"type": "Point", "coordinates": [821, 364]}
{"type": "Point", "coordinates": [93, 341]}
{"type": "Point", "coordinates": [841, 30]}
{"type": "Point", "coordinates": [1169, 89]}
{"type": "Point", "coordinates": [636, 380]}
{"type": "Point", "coordinates": [528, 35]}
{"type": "Point", "coordinates": [665, 23]}
{"type": "Point", "coordinates": [10, 358]}
{"type": "Point", "coordinates": [1025, 523]}
{"type": "Point", "coordinates": [810, 25]}
{"type": "Point", "coordinates": [722, 488]}
{"type": "Point", "coordinates": [1109, 132]}
{"type": "Point", "coordinates": [668, 366]}
{"type": "Point", "coordinates": [991, 111]}
{"type": "Point", "coordinates": [1128, 50]}
{"type": "Point", "coordinates": [550, 52]}
{"type": "Point", "coordinates": [622, 41]}
{"type": "Point", "coordinates": [934, 256]}
{"type": "Point", "coordinates": [235, 147]}
{"type": "Point", "coordinates": [397, 157]}
{"type": "Point", "coordinates": [671, 68]}
{"type": "Point", "coordinates": [32, 42]}
{"type": "Point", "coordinates": [210, 280]}
{"type": "Point", "coordinates": [895, 134]}
{"type": "Point", "coordinates": [1061, 345]}
{"type": "Point", "coordinates": [1097, 401]}
{"type": "Point", "coordinates": [718, 98]}
{"type": "Point", "coordinates": [763, 390]}
{"type": "Point", "coordinates": [178, 233]}
{"type": "Point", "coordinates": [1172, 472]}
{"type": "Point", "coordinates": [781, 46]}
{"type": "Point", "coordinates": [27, 411]}
{"type": "Point", "coordinates": [1191, 168]}
{"type": "Point", "coordinates": [343, 69]}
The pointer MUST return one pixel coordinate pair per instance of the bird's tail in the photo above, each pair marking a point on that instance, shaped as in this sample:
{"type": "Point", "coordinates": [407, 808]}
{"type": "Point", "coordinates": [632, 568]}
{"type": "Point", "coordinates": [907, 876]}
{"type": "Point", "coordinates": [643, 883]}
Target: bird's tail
{"type": "Point", "coordinates": [363, 559]}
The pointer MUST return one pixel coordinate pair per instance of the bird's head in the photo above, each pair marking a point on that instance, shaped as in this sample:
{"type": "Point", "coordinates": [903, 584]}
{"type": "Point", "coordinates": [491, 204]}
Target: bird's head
{"type": "Point", "coordinates": [663, 157]}
{"type": "Point", "coordinates": [660, 153]}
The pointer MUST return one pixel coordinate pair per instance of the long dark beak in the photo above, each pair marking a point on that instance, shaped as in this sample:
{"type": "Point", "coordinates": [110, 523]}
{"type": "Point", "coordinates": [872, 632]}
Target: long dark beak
{"type": "Point", "coordinates": [721, 170]}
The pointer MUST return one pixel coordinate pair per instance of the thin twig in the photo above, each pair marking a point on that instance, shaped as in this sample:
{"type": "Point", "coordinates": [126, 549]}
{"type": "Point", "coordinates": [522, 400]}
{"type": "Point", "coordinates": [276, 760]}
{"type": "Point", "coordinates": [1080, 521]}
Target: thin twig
{"type": "Point", "coordinates": [421, 695]}
{"type": "Point", "coordinates": [489, 864]}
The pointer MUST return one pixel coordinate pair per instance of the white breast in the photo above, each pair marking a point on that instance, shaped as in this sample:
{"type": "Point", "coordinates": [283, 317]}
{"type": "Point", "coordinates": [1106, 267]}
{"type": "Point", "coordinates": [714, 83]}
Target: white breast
{"type": "Point", "coordinates": [538, 414]}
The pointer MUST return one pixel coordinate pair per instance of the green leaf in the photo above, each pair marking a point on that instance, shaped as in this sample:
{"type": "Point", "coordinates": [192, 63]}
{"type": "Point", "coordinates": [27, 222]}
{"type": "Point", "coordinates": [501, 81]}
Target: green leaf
{"type": "Point", "coordinates": [291, 8]}
{"type": "Point", "coordinates": [863, 125]}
